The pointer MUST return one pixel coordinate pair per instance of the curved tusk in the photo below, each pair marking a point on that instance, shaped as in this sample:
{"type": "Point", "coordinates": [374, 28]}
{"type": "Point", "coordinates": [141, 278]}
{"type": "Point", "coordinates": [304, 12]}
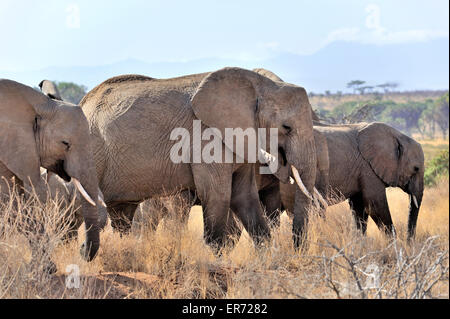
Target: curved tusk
{"type": "Point", "coordinates": [101, 199]}
{"type": "Point", "coordinates": [291, 180]}
{"type": "Point", "coordinates": [415, 201]}
{"type": "Point", "coordinates": [269, 158]}
{"type": "Point", "coordinates": [82, 191]}
{"type": "Point", "coordinates": [321, 199]}
{"type": "Point", "coordinates": [300, 183]}
{"type": "Point", "coordinates": [102, 202]}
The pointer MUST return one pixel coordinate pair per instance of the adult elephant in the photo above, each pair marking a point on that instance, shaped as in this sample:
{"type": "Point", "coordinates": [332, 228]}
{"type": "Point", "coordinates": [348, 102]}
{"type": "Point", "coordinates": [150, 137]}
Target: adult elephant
{"type": "Point", "coordinates": [39, 131]}
{"type": "Point", "coordinates": [365, 159]}
{"type": "Point", "coordinates": [268, 189]}
{"type": "Point", "coordinates": [131, 118]}
{"type": "Point", "coordinates": [67, 191]}
{"type": "Point", "coordinates": [269, 186]}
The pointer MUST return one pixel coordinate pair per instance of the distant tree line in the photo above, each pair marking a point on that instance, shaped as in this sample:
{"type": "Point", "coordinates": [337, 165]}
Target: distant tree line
{"type": "Point", "coordinates": [426, 118]}
{"type": "Point", "coordinates": [71, 92]}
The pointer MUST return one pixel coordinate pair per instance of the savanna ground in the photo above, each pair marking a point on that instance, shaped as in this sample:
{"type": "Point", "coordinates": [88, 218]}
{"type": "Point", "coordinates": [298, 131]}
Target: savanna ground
{"type": "Point", "coordinates": [174, 262]}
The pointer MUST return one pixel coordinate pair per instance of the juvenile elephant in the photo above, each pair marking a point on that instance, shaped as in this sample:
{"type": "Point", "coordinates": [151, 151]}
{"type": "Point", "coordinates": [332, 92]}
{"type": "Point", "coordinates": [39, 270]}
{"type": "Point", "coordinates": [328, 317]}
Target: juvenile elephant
{"type": "Point", "coordinates": [131, 118]}
{"type": "Point", "coordinates": [36, 131]}
{"type": "Point", "coordinates": [365, 159]}
{"type": "Point", "coordinates": [68, 192]}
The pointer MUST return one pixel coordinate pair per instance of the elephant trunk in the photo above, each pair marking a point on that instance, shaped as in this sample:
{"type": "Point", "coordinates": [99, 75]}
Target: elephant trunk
{"type": "Point", "coordinates": [415, 191]}
{"type": "Point", "coordinates": [302, 156]}
{"type": "Point", "coordinates": [83, 173]}
{"type": "Point", "coordinates": [303, 161]}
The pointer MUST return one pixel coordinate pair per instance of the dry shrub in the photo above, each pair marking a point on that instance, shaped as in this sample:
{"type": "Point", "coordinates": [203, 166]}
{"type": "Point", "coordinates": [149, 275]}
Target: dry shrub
{"type": "Point", "coordinates": [172, 260]}
{"type": "Point", "coordinates": [29, 234]}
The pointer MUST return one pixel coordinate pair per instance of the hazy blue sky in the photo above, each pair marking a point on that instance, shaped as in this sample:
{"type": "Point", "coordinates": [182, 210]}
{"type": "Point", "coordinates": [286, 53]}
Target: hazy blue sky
{"type": "Point", "coordinates": [38, 34]}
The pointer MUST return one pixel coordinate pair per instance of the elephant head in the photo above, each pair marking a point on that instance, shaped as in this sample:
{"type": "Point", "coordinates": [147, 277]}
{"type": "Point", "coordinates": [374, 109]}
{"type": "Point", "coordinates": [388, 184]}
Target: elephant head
{"type": "Point", "coordinates": [238, 98]}
{"type": "Point", "coordinates": [39, 131]}
{"type": "Point", "coordinates": [398, 161]}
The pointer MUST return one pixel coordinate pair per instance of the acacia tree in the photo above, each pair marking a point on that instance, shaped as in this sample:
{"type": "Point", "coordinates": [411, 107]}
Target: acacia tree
{"type": "Point", "coordinates": [388, 86]}
{"type": "Point", "coordinates": [355, 85]}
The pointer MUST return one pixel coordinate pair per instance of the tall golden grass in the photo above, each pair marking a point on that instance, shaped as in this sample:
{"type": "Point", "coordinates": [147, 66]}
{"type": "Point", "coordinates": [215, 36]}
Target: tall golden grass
{"type": "Point", "coordinates": [174, 262]}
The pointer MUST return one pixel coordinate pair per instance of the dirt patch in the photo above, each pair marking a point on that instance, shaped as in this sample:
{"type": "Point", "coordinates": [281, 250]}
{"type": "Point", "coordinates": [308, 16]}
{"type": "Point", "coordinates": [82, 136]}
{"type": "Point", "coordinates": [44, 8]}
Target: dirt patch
{"type": "Point", "coordinates": [108, 285]}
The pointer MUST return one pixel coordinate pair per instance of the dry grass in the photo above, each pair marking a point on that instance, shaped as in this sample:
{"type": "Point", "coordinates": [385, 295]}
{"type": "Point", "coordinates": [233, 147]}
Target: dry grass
{"type": "Point", "coordinates": [174, 262]}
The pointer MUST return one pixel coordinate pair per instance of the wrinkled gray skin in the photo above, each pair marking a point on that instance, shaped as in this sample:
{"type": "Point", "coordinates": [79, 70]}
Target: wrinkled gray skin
{"type": "Point", "coordinates": [131, 118]}
{"type": "Point", "coordinates": [39, 131]}
{"type": "Point", "coordinates": [365, 159]}
{"type": "Point", "coordinates": [268, 189]}
{"type": "Point", "coordinates": [67, 192]}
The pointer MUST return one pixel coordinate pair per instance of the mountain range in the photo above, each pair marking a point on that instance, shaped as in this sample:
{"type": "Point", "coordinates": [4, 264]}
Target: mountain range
{"type": "Point", "coordinates": [415, 66]}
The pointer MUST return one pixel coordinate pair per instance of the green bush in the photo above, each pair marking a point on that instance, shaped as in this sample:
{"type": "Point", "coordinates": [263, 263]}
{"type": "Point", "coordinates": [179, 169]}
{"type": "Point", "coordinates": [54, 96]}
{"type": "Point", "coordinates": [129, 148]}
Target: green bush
{"type": "Point", "coordinates": [438, 167]}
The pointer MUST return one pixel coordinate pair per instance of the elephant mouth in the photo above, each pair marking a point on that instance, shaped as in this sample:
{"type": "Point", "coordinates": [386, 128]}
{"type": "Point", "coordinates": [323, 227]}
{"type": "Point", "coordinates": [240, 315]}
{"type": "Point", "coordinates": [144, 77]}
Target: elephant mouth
{"type": "Point", "coordinates": [283, 157]}
{"type": "Point", "coordinates": [58, 168]}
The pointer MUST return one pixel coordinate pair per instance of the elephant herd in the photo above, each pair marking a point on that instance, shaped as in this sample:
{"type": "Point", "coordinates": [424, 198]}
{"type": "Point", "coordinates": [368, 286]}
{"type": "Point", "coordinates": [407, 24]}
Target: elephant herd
{"type": "Point", "coordinates": [113, 151]}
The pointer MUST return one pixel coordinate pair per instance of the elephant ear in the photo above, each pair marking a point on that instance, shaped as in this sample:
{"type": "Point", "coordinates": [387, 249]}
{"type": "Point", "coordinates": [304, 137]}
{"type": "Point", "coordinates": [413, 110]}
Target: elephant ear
{"type": "Point", "coordinates": [226, 99]}
{"type": "Point", "coordinates": [49, 88]}
{"type": "Point", "coordinates": [380, 147]}
{"type": "Point", "coordinates": [21, 111]}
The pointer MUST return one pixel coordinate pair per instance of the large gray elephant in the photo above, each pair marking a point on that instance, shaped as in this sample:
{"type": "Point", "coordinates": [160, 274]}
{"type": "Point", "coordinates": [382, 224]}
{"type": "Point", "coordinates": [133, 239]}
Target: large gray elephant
{"type": "Point", "coordinates": [268, 189]}
{"type": "Point", "coordinates": [39, 131]}
{"type": "Point", "coordinates": [365, 159]}
{"type": "Point", "coordinates": [131, 118]}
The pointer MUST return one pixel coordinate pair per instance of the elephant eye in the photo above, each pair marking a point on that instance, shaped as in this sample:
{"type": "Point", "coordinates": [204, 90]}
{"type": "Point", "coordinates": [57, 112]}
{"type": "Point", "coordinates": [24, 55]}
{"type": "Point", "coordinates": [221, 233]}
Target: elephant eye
{"type": "Point", "coordinates": [287, 128]}
{"type": "Point", "coordinates": [66, 144]}
{"type": "Point", "coordinates": [416, 169]}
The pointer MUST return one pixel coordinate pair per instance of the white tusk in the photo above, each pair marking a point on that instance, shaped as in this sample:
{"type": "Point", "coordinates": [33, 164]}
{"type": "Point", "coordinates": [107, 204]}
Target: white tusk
{"type": "Point", "coordinates": [321, 199]}
{"type": "Point", "coordinates": [291, 180]}
{"type": "Point", "coordinates": [415, 201]}
{"type": "Point", "coordinates": [267, 156]}
{"type": "Point", "coordinates": [102, 202]}
{"type": "Point", "coordinates": [82, 191]}
{"type": "Point", "coordinates": [300, 183]}
{"type": "Point", "coordinates": [101, 199]}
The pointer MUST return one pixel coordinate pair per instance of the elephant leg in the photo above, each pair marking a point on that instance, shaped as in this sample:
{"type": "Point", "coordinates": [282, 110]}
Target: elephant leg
{"type": "Point", "coordinates": [245, 203]}
{"type": "Point", "coordinates": [271, 200]}
{"type": "Point", "coordinates": [213, 184]}
{"type": "Point", "coordinates": [121, 216]}
{"type": "Point", "coordinates": [359, 213]}
{"type": "Point", "coordinates": [376, 205]}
